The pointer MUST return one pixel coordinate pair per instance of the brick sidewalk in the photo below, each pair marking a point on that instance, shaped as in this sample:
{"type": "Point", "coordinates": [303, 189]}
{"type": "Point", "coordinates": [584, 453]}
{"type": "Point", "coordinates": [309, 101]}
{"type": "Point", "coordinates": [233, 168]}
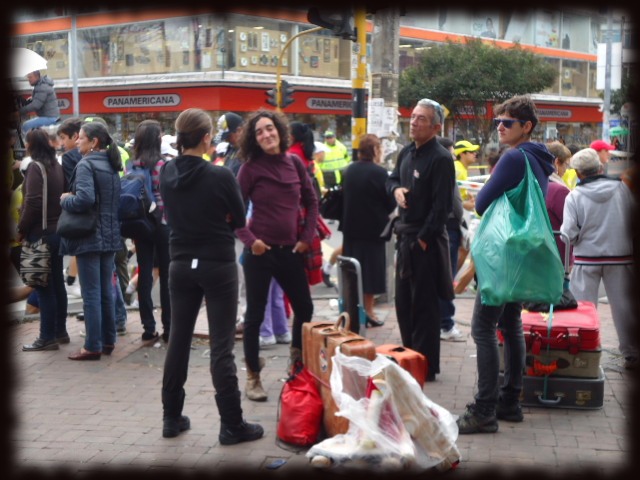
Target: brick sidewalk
{"type": "Point", "coordinates": [107, 415]}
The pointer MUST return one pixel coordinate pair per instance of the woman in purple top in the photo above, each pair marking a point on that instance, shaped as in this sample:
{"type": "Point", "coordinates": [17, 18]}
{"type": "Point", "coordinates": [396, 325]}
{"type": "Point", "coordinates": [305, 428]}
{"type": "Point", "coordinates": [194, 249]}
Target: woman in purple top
{"type": "Point", "coordinates": [276, 184]}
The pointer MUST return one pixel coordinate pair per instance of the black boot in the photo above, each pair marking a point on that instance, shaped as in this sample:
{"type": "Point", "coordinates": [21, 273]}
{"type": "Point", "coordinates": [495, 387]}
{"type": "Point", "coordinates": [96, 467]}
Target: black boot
{"type": "Point", "coordinates": [173, 422]}
{"type": "Point", "coordinates": [241, 432]}
{"type": "Point", "coordinates": [233, 428]}
{"type": "Point", "coordinates": [173, 426]}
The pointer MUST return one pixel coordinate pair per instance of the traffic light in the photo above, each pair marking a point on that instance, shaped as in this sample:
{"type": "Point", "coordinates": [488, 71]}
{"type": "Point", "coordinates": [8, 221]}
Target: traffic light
{"type": "Point", "coordinates": [272, 97]}
{"type": "Point", "coordinates": [286, 94]}
{"type": "Point", "coordinates": [339, 22]}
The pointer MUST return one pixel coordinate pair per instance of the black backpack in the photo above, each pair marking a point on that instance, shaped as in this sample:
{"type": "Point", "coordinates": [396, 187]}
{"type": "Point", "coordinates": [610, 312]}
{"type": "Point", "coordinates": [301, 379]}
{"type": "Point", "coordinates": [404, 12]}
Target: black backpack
{"type": "Point", "coordinates": [137, 210]}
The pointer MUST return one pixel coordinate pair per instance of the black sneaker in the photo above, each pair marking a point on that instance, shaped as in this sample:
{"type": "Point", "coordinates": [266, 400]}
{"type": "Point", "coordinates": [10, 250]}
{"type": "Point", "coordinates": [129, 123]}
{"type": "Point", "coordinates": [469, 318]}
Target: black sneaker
{"type": "Point", "coordinates": [244, 432]}
{"type": "Point", "coordinates": [39, 344]}
{"type": "Point", "coordinates": [150, 337]}
{"type": "Point", "coordinates": [473, 421]}
{"type": "Point", "coordinates": [173, 426]}
{"type": "Point", "coordinates": [63, 338]}
{"type": "Point", "coordinates": [509, 411]}
{"type": "Point", "coordinates": [121, 330]}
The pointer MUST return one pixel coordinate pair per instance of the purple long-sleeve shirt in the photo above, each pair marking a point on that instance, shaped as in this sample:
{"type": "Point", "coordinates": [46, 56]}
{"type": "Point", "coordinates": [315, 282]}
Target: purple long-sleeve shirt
{"type": "Point", "coordinates": [276, 186]}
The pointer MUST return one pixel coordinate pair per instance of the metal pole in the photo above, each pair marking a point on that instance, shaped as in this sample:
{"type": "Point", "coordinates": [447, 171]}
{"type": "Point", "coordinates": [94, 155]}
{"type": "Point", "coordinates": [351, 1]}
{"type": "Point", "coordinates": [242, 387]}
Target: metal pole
{"type": "Point", "coordinates": [358, 80]}
{"type": "Point", "coordinates": [73, 49]}
{"type": "Point", "coordinates": [279, 67]}
{"type": "Point", "coordinates": [607, 82]}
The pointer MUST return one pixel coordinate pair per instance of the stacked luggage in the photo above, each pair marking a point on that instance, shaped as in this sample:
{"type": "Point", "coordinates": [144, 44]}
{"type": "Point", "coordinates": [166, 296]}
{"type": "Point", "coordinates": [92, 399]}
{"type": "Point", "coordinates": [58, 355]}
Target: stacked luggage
{"type": "Point", "coordinates": [563, 354]}
{"type": "Point", "coordinates": [321, 339]}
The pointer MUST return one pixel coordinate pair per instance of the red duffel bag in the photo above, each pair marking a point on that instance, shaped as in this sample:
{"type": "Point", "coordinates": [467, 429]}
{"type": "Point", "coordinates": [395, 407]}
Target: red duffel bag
{"type": "Point", "coordinates": [300, 410]}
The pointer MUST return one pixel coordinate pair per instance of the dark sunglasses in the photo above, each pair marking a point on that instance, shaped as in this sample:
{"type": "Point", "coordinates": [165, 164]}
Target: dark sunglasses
{"type": "Point", "coordinates": [506, 122]}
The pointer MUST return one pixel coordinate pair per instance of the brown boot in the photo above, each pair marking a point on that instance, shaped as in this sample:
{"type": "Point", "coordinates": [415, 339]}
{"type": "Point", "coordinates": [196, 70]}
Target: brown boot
{"type": "Point", "coordinates": [254, 388]}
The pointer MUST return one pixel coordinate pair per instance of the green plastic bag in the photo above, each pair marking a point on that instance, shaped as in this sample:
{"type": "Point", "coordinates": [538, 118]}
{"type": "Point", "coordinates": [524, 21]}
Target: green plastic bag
{"type": "Point", "coordinates": [514, 251]}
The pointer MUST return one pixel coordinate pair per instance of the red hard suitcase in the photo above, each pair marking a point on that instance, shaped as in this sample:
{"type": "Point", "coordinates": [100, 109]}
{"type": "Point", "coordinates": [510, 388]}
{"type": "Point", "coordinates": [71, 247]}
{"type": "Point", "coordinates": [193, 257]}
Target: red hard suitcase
{"type": "Point", "coordinates": [572, 347]}
{"type": "Point", "coordinates": [413, 362]}
{"type": "Point", "coordinates": [319, 343]}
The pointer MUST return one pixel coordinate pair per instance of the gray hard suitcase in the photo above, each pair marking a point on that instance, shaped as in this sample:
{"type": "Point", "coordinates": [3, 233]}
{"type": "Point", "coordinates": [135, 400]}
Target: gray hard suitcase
{"type": "Point", "coordinates": [562, 392]}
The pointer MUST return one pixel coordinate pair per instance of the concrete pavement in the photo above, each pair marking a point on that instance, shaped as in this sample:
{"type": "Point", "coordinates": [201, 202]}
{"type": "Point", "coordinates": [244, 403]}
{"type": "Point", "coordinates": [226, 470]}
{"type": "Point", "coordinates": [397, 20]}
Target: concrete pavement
{"type": "Point", "coordinates": [107, 415]}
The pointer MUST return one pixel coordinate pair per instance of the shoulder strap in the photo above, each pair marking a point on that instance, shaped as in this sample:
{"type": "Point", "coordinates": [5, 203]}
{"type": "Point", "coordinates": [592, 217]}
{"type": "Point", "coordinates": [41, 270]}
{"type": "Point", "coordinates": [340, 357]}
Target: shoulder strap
{"type": "Point", "coordinates": [299, 166]}
{"type": "Point", "coordinates": [44, 195]}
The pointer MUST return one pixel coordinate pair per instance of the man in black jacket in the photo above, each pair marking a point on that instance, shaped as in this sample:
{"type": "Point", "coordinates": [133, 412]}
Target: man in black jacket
{"type": "Point", "coordinates": [422, 183]}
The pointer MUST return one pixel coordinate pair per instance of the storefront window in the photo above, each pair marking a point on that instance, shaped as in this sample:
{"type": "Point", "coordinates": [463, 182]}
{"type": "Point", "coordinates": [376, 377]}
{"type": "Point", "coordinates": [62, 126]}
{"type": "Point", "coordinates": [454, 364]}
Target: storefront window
{"type": "Point", "coordinates": [574, 78]}
{"type": "Point", "coordinates": [554, 89]}
{"type": "Point", "coordinates": [53, 46]}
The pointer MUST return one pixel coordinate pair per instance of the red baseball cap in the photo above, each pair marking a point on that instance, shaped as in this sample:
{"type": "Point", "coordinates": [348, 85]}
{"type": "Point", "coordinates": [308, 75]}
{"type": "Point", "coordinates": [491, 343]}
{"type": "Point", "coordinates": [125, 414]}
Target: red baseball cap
{"type": "Point", "coordinates": [598, 145]}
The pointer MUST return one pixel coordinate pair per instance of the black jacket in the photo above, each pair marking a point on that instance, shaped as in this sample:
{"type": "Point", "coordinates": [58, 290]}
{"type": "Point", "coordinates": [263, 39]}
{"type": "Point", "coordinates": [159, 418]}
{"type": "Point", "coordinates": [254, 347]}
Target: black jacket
{"type": "Point", "coordinates": [429, 174]}
{"type": "Point", "coordinates": [203, 206]}
{"type": "Point", "coordinates": [366, 202]}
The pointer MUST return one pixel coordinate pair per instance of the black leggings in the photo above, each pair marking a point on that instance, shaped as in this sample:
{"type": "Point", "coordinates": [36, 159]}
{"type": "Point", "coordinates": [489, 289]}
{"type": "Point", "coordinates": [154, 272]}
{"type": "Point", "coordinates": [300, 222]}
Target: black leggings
{"type": "Point", "coordinates": [288, 269]}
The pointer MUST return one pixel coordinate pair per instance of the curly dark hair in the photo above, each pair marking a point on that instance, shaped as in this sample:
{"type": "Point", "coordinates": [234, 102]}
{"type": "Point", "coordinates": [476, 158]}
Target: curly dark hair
{"type": "Point", "coordinates": [249, 147]}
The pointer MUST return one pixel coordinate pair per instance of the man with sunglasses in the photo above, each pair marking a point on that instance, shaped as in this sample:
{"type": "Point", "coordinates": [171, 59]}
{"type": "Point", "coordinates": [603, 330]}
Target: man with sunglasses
{"type": "Point", "coordinates": [422, 184]}
{"type": "Point", "coordinates": [515, 120]}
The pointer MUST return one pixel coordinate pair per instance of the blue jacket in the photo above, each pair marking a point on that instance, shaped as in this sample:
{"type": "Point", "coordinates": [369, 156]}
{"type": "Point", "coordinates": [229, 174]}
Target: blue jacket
{"type": "Point", "coordinates": [509, 172]}
{"type": "Point", "coordinates": [107, 237]}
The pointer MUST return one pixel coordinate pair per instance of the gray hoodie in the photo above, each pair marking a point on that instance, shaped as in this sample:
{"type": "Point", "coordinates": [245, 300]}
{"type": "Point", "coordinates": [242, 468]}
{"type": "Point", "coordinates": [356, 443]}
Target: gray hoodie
{"type": "Point", "coordinates": [43, 100]}
{"type": "Point", "coordinates": [597, 220]}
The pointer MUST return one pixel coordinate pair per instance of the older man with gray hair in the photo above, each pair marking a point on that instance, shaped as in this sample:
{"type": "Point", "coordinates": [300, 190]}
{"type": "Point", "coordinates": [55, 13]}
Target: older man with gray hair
{"type": "Point", "coordinates": [597, 220]}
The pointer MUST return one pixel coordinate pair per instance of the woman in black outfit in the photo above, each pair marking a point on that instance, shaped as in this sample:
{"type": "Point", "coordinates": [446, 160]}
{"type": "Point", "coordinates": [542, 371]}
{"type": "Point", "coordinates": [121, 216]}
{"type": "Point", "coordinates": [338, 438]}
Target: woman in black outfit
{"type": "Point", "coordinates": [203, 206]}
{"type": "Point", "coordinates": [365, 213]}
{"type": "Point", "coordinates": [147, 154]}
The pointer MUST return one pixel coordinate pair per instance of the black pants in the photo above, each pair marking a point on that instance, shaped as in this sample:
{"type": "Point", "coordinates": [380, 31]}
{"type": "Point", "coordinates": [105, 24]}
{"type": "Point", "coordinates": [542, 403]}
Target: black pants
{"type": "Point", "coordinates": [417, 300]}
{"type": "Point", "coordinates": [146, 251]}
{"type": "Point", "coordinates": [217, 283]}
{"type": "Point", "coordinates": [288, 269]}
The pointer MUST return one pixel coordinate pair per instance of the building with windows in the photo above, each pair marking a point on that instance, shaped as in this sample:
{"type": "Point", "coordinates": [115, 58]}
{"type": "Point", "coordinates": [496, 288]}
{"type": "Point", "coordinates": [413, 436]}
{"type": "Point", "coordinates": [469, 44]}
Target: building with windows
{"type": "Point", "coordinates": [127, 65]}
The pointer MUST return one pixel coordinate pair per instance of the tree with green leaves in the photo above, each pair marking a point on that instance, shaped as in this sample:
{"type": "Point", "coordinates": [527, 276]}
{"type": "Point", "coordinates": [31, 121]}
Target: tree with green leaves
{"type": "Point", "coordinates": [466, 77]}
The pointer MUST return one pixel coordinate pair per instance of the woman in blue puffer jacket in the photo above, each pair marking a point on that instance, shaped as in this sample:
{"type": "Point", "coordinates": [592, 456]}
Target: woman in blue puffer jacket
{"type": "Point", "coordinates": [96, 180]}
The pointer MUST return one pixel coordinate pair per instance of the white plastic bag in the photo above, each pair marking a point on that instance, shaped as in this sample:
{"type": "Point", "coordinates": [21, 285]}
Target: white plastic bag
{"type": "Point", "coordinates": [391, 423]}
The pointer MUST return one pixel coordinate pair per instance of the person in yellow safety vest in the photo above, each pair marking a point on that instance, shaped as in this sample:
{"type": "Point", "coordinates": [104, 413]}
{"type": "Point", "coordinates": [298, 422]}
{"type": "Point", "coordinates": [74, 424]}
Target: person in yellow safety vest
{"type": "Point", "coordinates": [466, 153]}
{"type": "Point", "coordinates": [336, 159]}
{"type": "Point", "coordinates": [570, 177]}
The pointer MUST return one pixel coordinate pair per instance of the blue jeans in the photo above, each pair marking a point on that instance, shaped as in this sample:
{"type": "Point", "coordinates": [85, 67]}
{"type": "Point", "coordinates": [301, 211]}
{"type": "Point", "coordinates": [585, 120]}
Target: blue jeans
{"type": "Point", "coordinates": [37, 122]}
{"type": "Point", "coordinates": [120, 309]}
{"type": "Point", "coordinates": [447, 307]}
{"type": "Point", "coordinates": [95, 270]}
{"type": "Point", "coordinates": [53, 298]}
{"type": "Point", "coordinates": [484, 324]}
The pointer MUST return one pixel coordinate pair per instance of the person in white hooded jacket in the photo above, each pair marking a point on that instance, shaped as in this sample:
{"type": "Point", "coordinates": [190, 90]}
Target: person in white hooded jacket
{"type": "Point", "coordinates": [597, 221]}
